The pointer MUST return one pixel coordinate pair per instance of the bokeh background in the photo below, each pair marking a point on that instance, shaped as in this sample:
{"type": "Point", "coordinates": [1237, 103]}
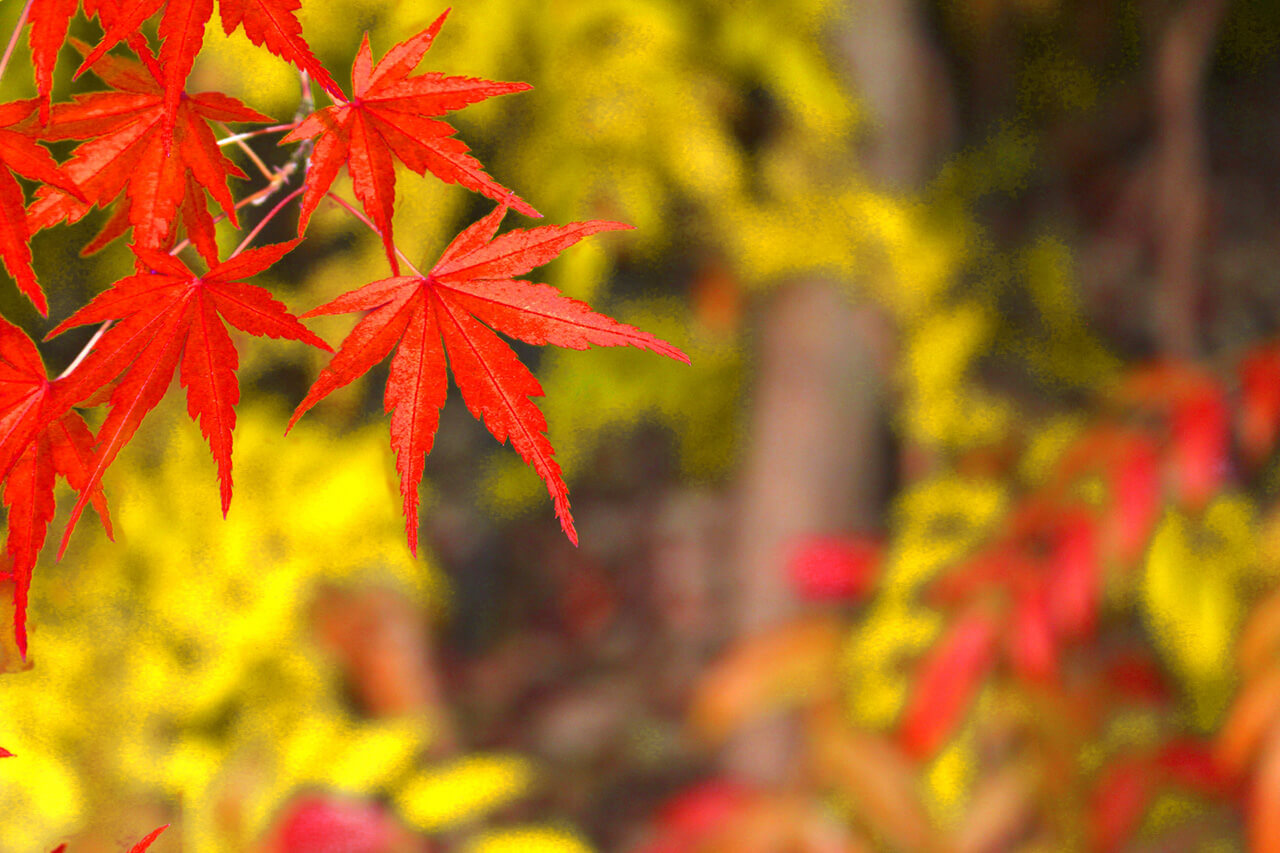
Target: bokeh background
{"type": "Point", "coordinates": [960, 533]}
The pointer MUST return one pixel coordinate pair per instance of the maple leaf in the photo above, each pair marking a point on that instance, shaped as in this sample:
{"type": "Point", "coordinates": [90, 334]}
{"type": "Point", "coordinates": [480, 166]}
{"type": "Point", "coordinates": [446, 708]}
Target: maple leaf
{"type": "Point", "coordinates": [49, 21]}
{"type": "Point", "coordinates": [270, 23]}
{"type": "Point", "coordinates": [145, 843]}
{"type": "Point", "coordinates": [424, 317]}
{"type": "Point", "coordinates": [40, 438]}
{"type": "Point", "coordinates": [126, 152]}
{"type": "Point", "coordinates": [389, 114]}
{"type": "Point", "coordinates": [22, 155]}
{"type": "Point", "coordinates": [170, 318]}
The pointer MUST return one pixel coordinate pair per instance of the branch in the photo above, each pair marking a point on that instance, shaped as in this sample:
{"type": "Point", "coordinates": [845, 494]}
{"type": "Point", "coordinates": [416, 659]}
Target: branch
{"type": "Point", "coordinates": [244, 244]}
{"type": "Point", "coordinates": [13, 39]}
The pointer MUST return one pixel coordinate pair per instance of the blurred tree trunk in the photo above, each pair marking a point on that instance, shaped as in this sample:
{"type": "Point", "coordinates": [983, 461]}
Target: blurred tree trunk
{"type": "Point", "coordinates": [1181, 181]}
{"type": "Point", "coordinates": [818, 457]}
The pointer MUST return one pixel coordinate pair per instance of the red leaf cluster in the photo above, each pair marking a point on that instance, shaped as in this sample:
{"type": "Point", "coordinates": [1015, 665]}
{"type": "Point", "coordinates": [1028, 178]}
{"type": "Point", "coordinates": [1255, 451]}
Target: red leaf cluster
{"type": "Point", "coordinates": [149, 154]}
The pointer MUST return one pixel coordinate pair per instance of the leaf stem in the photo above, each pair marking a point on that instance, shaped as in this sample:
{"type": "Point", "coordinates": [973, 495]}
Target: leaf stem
{"type": "Point", "coordinates": [259, 197]}
{"type": "Point", "coordinates": [250, 134]}
{"type": "Point", "coordinates": [308, 104]}
{"type": "Point", "coordinates": [249, 152]}
{"type": "Point", "coordinates": [84, 353]}
{"type": "Point", "coordinates": [358, 215]}
{"type": "Point", "coordinates": [13, 39]}
{"type": "Point", "coordinates": [262, 224]}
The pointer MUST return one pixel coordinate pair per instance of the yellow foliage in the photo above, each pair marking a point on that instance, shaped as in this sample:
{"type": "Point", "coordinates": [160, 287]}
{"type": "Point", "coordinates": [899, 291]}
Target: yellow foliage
{"type": "Point", "coordinates": [941, 409]}
{"type": "Point", "coordinates": [949, 777]}
{"type": "Point", "coordinates": [892, 632]}
{"type": "Point", "coordinates": [936, 523]}
{"type": "Point", "coordinates": [1063, 349]}
{"type": "Point", "coordinates": [1192, 598]}
{"type": "Point", "coordinates": [202, 681]}
{"type": "Point", "coordinates": [531, 839]}
{"type": "Point", "coordinates": [463, 790]}
{"type": "Point", "coordinates": [1046, 447]}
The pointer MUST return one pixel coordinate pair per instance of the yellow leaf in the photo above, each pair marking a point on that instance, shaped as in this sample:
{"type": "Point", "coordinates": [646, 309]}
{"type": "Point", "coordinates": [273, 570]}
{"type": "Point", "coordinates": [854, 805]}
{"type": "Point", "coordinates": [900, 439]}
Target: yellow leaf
{"type": "Point", "coordinates": [464, 790]}
{"type": "Point", "coordinates": [1192, 605]}
{"type": "Point", "coordinates": [529, 839]}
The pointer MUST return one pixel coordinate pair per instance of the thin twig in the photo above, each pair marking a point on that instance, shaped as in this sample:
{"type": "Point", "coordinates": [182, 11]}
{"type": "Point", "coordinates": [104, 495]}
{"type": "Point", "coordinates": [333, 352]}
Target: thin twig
{"type": "Point", "coordinates": [308, 104]}
{"type": "Point", "coordinates": [259, 197]}
{"type": "Point", "coordinates": [249, 152]}
{"type": "Point", "coordinates": [358, 215]}
{"type": "Point", "coordinates": [271, 213]}
{"type": "Point", "coordinates": [277, 180]}
{"type": "Point", "coordinates": [250, 134]}
{"type": "Point", "coordinates": [13, 39]}
{"type": "Point", "coordinates": [84, 353]}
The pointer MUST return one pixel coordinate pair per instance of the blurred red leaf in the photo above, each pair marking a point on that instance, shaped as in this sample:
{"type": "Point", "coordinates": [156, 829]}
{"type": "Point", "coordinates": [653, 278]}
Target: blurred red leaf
{"type": "Point", "coordinates": [834, 568]}
{"type": "Point", "coordinates": [1031, 642]}
{"type": "Point", "coordinates": [1259, 401]}
{"type": "Point", "coordinates": [1075, 580]}
{"type": "Point", "coordinates": [694, 813]}
{"type": "Point", "coordinates": [947, 682]}
{"type": "Point", "coordinates": [1133, 677]}
{"type": "Point", "coordinates": [1118, 803]}
{"type": "Point", "coordinates": [326, 823]}
{"type": "Point", "coordinates": [1135, 498]}
{"type": "Point", "coordinates": [1199, 445]}
{"type": "Point", "coordinates": [1192, 764]}
{"type": "Point", "coordinates": [998, 565]}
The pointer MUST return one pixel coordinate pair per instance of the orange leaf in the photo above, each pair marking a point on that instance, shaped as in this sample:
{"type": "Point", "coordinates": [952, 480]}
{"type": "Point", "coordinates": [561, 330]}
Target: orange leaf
{"type": "Point", "coordinates": [1255, 711]}
{"type": "Point", "coordinates": [793, 663]}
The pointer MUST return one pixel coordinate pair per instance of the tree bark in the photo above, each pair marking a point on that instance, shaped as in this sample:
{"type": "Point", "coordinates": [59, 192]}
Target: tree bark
{"type": "Point", "coordinates": [818, 456]}
{"type": "Point", "coordinates": [1181, 182]}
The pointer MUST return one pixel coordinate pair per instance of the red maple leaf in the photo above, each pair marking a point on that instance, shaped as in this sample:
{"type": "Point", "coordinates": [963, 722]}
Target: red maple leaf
{"type": "Point", "coordinates": [170, 318]}
{"type": "Point", "coordinates": [424, 317]}
{"type": "Point", "coordinates": [49, 23]}
{"type": "Point", "coordinates": [22, 155]}
{"type": "Point", "coordinates": [389, 114]}
{"type": "Point", "coordinates": [49, 20]}
{"type": "Point", "coordinates": [42, 438]}
{"type": "Point", "coordinates": [126, 152]}
{"type": "Point", "coordinates": [273, 23]}
{"type": "Point", "coordinates": [142, 845]}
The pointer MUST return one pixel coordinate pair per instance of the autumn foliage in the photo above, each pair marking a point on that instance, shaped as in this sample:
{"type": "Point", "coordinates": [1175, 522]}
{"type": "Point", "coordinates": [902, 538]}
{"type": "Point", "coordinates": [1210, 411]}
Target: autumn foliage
{"type": "Point", "coordinates": [150, 155]}
{"type": "Point", "coordinates": [1033, 677]}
